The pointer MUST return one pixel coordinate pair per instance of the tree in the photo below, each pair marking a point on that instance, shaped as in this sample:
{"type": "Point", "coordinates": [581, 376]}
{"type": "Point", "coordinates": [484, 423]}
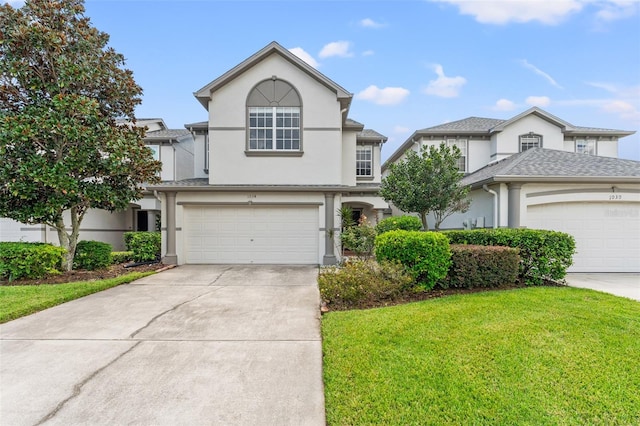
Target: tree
{"type": "Point", "coordinates": [427, 182]}
{"type": "Point", "coordinates": [61, 148]}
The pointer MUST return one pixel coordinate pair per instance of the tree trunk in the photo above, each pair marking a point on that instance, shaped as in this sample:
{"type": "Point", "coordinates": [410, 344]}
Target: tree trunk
{"type": "Point", "coordinates": [425, 225]}
{"type": "Point", "coordinates": [69, 241]}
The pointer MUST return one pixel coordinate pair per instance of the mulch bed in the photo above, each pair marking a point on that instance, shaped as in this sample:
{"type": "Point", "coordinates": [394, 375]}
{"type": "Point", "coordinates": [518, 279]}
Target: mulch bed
{"type": "Point", "coordinates": [112, 271]}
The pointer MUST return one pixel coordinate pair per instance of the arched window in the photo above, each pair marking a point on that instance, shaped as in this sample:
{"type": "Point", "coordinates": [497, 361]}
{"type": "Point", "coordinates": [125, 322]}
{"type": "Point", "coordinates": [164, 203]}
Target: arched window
{"type": "Point", "coordinates": [274, 115]}
{"type": "Point", "coordinates": [530, 140]}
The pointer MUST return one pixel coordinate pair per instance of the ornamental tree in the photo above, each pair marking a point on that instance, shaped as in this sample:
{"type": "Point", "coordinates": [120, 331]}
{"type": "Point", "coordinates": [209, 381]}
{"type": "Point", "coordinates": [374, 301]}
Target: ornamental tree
{"type": "Point", "coordinates": [61, 150]}
{"type": "Point", "coordinates": [427, 182]}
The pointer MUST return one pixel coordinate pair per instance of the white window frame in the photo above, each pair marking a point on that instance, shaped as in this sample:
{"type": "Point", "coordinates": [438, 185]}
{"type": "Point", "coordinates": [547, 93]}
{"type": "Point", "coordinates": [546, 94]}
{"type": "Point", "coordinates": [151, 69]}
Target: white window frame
{"type": "Point", "coordinates": [361, 163]}
{"type": "Point", "coordinates": [274, 133]}
{"type": "Point", "coordinates": [528, 139]}
{"type": "Point", "coordinates": [586, 146]}
{"type": "Point", "coordinates": [462, 146]}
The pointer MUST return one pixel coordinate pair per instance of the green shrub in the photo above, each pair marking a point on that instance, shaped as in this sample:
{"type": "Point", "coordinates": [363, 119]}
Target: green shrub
{"type": "Point", "coordinates": [144, 245]}
{"type": "Point", "coordinates": [362, 283]}
{"type": "Point", "coordinates": [425, 255]}
{"type": "Point", "coordinates": [481, 266]}
{"type": "Point", "coordinates": [92, 255]}
{"type": "Point", "coordinates": [544, 255]}
{"type": "Point", "coordinates": [407, 223]}
{"type": "Point", "coordinates": [29, 260]}
{"type": "Point", "coordinates": [121, 256]}
{"type": "Point", "coordinates": [360, 239]}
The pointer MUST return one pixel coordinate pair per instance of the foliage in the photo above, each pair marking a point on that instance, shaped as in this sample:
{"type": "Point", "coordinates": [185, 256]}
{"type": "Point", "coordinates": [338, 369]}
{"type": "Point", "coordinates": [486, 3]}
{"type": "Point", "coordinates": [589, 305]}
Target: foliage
{"type": "Point", "coordinates": [21, 300]}
{"type": "Point", "coordinates": [360, 283]}
{"type": "Point", "coordinates": [145, 246]}
{"type": "Point", "coordinates": [61, 90]}
{"type": "Point", "coordinates": [425, 255]}
{"type": "Point", "coordinates": [406, 222]}
{"type": "Point", "coordinates": [92, 255]}
{"type": "Point", "coordinates": [29, 260]}
{"type": "Point", "coordinates": [121, 256]}
{"type": "Point", "coordinates": [533, 356]}
{"type": "Point", "coordinates": [346, 217]}
{"type": "Point", "coordinates": [481, 266]}
{"type": "Point", "coordinates": [544, 255]}
{"type": "Point", "coordinates": [428, 182]}
{"type": "Point", "coordinates": [359, 239]}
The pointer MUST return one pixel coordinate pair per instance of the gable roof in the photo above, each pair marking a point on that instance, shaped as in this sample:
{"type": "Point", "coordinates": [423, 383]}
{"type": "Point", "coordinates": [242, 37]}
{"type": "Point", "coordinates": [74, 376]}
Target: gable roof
{"type": "Point", "coordinates": [540, 164]}
{"type": "Point", "coordinates": [480, 126]}
{"type": "Point", "coordinates": [204, 94]}
{"type": "Point", "coordinates": [167, 134]}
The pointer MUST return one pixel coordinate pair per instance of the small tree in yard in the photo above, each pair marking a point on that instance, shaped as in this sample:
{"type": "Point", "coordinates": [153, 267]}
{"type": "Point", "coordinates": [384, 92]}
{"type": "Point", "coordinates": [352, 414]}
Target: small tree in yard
{"type": "Point", "coordinates": [427, 182]}
{"type": "Point", "coordinates": [61, 150]}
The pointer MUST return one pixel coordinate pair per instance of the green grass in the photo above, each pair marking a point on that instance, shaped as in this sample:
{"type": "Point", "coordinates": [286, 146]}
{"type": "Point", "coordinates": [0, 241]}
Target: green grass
{"type": "Point", "coordinates": [18, 301]}
{"type": "Point", "coordinates": [536, 356]}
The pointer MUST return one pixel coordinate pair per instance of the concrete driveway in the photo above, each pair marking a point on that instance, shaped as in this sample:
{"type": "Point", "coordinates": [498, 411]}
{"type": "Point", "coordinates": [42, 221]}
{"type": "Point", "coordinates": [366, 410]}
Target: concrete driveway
{"type": "Point", "coordinates": [194, 345]}
{"type": "Point", "coordinates": [620, 284]}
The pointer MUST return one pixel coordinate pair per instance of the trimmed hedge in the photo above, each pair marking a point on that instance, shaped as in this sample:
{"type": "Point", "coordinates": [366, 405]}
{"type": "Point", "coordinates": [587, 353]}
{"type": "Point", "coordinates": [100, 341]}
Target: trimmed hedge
{"type": "Point", "coordinates": [92, 255]}
{"type": "Point", "coordinates": [121, 256]}
{"type": "Point", "coordinates": [406, 222]}
{"type": "Point", "coordinates": [361, 283]}
{"type": "Point", "coordinates": [145, 246]}
{"type": "Point", "coordinates": [29, 260]}
{"type": "Point", "coordinates": [481, 266]}
{"type": "Point", "coordinates": [425, 255]}
{"type": "Point", "coordinates": [544, 255]}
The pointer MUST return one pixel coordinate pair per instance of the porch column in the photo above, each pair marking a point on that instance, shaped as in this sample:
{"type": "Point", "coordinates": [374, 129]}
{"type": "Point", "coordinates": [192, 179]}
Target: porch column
{"type": "Point", "coordinates": [171, 258]}
{"type": "Point", "coordinates": [329, 232]}
{"type": "Point", "coordinates": [379, 215]}
{"type": "Point", "coordinates": [514, 205]}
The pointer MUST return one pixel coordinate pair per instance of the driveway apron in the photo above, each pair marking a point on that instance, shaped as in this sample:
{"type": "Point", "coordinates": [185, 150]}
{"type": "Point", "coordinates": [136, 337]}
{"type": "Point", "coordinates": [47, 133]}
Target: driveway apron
{"type": "Point", "coordinates": [194, 345]}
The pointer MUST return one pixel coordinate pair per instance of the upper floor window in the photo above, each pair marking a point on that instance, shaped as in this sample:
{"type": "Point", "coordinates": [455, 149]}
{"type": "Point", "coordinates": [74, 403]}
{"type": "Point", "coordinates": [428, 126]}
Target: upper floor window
{"type": "Point", "coordinates": [274, 116]}
{"type": "Point", "coordinates": [462, 146]}
{"type": "Point", "coordinates": [364, 161]}
{"type": "Point", "coordinates": [586, 146]}
{"type": "Point", "coordinates": [529, 141]}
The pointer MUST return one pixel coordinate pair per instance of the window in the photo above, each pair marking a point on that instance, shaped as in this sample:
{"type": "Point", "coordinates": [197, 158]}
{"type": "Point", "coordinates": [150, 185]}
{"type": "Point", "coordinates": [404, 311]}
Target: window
{"type": "Point", "coordinates": [462, 146]}
{"type": "Point", "coordinates": [530, 141]}
{"type": "Point", "coordinates": [274, 114]}
{"type": "Point", "coordinates": [364, 160]}
{"type": "Point", "coordinates": [586, 146]}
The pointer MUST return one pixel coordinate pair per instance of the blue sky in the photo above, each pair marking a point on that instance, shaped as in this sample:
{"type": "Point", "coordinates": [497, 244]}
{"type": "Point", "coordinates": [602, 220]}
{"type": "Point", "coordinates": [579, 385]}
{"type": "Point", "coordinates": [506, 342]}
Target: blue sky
{"type": "Point", "coordinates": [409, 64]}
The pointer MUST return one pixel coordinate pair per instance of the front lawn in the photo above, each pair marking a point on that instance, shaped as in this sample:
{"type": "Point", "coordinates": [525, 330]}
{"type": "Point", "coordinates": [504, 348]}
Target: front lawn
{"type": "Point", "coordinates": [20, 300]}
{"type": "Point", "coordinates": [535, 356]}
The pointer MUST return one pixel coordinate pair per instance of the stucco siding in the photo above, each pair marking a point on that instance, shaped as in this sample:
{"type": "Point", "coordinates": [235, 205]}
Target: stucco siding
{"type": "Point", "coordinates": [508, 140]}
{"type": "Point", "coordinates": [184, 159]}
{"type": "Point", "coordinates": [349, 158]}
{"type": "Point", "coordinates": [167, 156]}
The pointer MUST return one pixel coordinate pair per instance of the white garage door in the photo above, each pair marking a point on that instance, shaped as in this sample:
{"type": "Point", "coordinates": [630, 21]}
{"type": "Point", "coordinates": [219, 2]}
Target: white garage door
{"type": "Point", "coordinates": [607, 234]}
{"type": "Point", "coordinates": [251, 234]}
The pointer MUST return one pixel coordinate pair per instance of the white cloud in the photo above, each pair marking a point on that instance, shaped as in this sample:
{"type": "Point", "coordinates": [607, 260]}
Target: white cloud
{"type": "Point", "coordinates": [505, 11]}
{"type": "Point", "coordinates": [336, 48]}
{"type": "Point", "coordinates": [370, 23]}
{"type": "Point", "coordinates": [617, 9]}
{"type": "Point", "coordinates": [624, 109]}
{"type": "Point", "coordinates": [538, 71]}
{"type": "Point", "coordinates": [443, 86]}
{"type": "Point", "coordinates": [300, 53]}
{"type": "Point", "coordinates": [368, 53]}
{"type": "Point", "coordinates": [504, 105]}
{"type": "Point", "coordinates": [386, 96]}
{"type": "Point", "coordinates": [539, 101]}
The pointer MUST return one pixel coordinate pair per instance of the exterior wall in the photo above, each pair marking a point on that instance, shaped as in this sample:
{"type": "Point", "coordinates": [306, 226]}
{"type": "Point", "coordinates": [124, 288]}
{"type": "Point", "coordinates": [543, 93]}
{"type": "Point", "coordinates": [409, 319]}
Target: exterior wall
{"type": "Point", "coordinates": [349, 158]}
{"type": "Point", "coordinates": [184, 159]}
{"type": "Point", "coordinates": [321, 162]}
{"type": "Point", "coordinates": [10, 230]}
{"type": "Point", "coordinates": [508, 141]}
{"type": "Point", "coordinates": [167, 156]}
{"type": "Point", "coordinates": [607, 149]}
{"type": "Point", "coordinates": [478, 155]}
{"type": "Point", "coordinates": [199, 150]}
{"type": "Point", "coordinates": [481, 210]}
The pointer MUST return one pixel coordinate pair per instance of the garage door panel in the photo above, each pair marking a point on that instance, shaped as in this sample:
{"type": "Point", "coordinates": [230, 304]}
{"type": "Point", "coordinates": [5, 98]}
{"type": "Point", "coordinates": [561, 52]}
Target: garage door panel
{"type": "Point", "coordinates": [251, 234]}
{"type": "Point", "coordinates": [607, 235]}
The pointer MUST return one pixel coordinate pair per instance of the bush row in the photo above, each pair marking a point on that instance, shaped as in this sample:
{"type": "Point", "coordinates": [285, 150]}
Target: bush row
{"type": "Point", "coordinates": [544, 255]}
{"type": "Point", "coordinates": [92, 255]}
{"type": "Point", "coordinates": [29, 260]}
{"type": "Point", "coordinates": [144, 245]}
{"type": "Point", "coordinates": [481, 266]}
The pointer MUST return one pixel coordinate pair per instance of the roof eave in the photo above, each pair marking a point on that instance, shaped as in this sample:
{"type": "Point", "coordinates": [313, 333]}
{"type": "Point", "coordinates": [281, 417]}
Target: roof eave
{"type": "Point", "coordinates": [555, 179]}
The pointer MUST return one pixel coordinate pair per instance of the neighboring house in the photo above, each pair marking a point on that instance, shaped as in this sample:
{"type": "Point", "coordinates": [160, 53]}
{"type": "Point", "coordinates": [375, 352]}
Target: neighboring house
{"type": "Point", "coordinates": [538, 171]}
{"type": "Point", "coordinates": [275, 161]}
{"type": "Point", "coordinates": [174, 148]}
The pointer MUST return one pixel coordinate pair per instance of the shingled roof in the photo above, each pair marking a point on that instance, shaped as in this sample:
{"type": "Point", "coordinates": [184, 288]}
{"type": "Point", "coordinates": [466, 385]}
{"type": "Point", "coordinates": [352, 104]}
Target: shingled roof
{"type": "Point", "coordinates": [167, 134]}
{"type": "Point", "coordinates": [540, 164]}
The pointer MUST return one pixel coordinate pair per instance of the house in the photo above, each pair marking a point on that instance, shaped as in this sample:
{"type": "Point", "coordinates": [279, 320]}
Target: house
{"type": "Point", "coordinates": [276, 159]}
{"type": "Point", "coordinates": [538, 171]}
{"type": "Point", "coordinates": [173, 147]}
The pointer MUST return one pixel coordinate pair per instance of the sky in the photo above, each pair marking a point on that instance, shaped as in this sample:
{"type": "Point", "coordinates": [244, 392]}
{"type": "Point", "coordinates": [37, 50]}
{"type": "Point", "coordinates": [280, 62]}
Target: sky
{"type": "Point", "coordinates": [410, 64]}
